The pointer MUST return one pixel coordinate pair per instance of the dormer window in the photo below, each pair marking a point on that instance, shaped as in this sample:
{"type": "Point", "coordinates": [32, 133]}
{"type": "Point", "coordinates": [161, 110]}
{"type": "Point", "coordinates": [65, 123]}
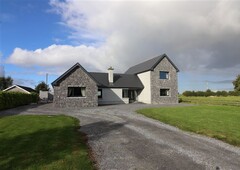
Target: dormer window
{"type": "Point", "coordinates": [164, 75]}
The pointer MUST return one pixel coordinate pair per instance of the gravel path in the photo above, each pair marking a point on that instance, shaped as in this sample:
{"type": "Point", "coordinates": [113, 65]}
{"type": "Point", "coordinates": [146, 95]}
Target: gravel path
{"type": "Point", "coordinates": [122, 139]}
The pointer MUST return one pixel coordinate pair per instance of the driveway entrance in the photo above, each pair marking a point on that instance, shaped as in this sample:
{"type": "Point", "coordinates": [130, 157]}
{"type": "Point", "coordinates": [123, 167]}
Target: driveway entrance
{"type": "Point", "coordinates": [122, 139]}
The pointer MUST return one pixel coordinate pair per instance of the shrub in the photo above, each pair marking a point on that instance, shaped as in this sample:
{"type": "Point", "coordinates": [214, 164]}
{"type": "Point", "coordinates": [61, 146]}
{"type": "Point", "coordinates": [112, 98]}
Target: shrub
{"type": "Point", "coordinates": [210, 93]}
{"type": "Point", "coordinates": [180, 100]}
{"type": "Point", "coordinates": [13, 99]}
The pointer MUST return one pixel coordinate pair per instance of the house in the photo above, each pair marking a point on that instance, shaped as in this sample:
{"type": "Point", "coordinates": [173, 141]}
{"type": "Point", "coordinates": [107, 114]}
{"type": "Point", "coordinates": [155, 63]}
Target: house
{"type": "Point", "coordinates": [18, 88]}
{"type": "Point", "coordinates": [46, 96]}
{"type": "Point", "coordinates": [152, 82]}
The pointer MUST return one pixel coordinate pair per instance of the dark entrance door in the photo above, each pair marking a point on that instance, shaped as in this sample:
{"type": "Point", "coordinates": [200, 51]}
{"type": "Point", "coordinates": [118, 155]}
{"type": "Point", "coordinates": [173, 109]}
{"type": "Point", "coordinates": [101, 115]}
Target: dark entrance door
{"type": "Point", "coordinates": [131, 96]}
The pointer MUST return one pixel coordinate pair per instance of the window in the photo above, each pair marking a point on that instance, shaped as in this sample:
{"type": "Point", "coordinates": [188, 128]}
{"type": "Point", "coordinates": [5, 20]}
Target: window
{"type": "Point", "coordinates": [99, 93]}
{"type": "Point", "coordinates": [76, 91]}
{"type": "Point", "coordinates": [164, 75]}
{"type": "Point", "coordinates": [164, 92]}
{"type": "Point", "coordinates": [125, 93]}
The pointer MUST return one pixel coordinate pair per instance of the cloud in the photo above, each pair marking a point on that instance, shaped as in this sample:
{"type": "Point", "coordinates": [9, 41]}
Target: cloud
{"type": "Point", "coordinates": [200, 36]}
{"type": "Point", "coordinates": [24, 82]}
{"type": "Point", "coordinates": [62, 56]}
{"type": "Point", "coordinates": [221, 82]}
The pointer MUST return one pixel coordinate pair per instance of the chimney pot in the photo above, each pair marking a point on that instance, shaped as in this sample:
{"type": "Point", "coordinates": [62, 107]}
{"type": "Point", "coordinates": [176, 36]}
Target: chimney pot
{"type": "Point", "coordinates": [110, 75]}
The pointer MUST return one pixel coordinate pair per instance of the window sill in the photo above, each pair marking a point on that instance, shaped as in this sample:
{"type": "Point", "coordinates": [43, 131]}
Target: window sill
{"type": "Point", "coordinates": [76, 97]}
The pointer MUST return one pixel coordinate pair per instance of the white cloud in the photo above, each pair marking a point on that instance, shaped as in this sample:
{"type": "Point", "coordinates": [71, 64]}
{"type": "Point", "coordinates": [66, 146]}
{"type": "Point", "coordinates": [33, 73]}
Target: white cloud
{"type": "Point", "coordinates": [24, 82]}
{"type": "Point", "coordinates": [62, 56]}
{"type": "Point", "coordinates": [197, 35]}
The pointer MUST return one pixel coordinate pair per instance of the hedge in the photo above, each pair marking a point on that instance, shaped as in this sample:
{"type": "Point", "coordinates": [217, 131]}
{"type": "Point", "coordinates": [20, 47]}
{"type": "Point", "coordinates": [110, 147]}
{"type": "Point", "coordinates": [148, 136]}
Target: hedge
{"type": "Point", "coordinates": [13, 99]}
{"type": "Point", "coordinates": [210, 93]}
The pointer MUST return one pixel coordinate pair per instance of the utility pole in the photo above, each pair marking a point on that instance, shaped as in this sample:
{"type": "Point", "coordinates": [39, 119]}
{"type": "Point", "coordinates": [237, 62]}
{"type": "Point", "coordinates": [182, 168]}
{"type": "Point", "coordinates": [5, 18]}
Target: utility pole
{"type": "Point", "coordinates": [46, 78]}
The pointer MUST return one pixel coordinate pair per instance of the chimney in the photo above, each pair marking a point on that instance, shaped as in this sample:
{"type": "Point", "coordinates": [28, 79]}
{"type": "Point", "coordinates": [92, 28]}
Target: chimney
{"type": "Point", "coordinates": [110, 75]}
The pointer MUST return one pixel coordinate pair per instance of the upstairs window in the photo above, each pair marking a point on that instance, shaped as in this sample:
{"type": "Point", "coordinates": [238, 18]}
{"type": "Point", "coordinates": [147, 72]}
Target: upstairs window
{"type": "Point", "coordinates": [164, 92]}
{"type": "Point", "coordinates": [164, 75]}
{"type": "Point", "coordinates": [99, 93]}
{"type": "Point", "coordinates": [76, 91]}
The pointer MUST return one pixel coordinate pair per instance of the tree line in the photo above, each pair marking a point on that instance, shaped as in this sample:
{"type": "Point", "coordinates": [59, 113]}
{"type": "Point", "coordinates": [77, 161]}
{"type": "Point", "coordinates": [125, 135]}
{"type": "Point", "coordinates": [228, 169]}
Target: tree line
{"type": "Point", "coordinates": [208, 93]}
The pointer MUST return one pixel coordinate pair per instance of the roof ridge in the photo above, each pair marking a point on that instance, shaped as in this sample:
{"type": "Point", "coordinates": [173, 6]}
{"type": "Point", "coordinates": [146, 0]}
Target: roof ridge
{"type": "Point", "coordinates": [148, 65]}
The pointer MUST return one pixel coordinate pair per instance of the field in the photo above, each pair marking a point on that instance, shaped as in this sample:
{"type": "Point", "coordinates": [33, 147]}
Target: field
{"type": "Point", "coordinates": [42, 142]}
{"type": "Point", "coordinates": [227, 101]}
{"type": "Point", "coordinates": [221, 122]}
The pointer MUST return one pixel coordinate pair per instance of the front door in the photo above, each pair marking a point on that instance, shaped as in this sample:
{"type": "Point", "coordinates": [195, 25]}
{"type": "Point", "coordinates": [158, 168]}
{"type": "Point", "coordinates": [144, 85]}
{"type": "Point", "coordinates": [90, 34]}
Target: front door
{"type": "Point", "coordinates": [131, 96]}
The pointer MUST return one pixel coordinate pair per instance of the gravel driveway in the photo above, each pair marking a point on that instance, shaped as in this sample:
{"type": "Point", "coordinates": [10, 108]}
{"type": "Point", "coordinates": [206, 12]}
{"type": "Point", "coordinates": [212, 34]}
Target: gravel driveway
{"type": "Point", "coordinates": [122, 139]}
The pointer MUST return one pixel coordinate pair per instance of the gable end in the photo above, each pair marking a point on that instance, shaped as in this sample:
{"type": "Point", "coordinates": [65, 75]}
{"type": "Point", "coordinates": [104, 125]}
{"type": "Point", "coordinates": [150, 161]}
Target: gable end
{"type": "Point", "coordinates": [64, 75]}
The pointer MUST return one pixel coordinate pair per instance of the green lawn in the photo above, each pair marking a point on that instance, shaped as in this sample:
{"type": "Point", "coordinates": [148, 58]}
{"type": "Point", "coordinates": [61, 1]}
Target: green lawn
{"type": "Point", "coordinates": [42, 142]}
{"type": "Point", "coordinates": [221, 122]}
{"type": "Point", "coordinates": [228, 101]}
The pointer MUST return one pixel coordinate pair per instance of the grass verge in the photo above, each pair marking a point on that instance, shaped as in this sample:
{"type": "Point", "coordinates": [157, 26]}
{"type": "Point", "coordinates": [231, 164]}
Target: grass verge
{"type": "Point", "coordinates": [221, 122]}
{"type": "Point", "coordinates": [42, 142]}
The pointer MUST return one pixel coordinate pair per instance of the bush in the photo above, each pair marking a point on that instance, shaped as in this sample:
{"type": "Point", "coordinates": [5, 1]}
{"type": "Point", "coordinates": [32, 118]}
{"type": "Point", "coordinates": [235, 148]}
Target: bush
{"type": "Point", "coordinates": [13, 99]}
{"type": "Point", "coordinates": [210, 93]}
{"type": "Point", "coordinates": [180, 100]}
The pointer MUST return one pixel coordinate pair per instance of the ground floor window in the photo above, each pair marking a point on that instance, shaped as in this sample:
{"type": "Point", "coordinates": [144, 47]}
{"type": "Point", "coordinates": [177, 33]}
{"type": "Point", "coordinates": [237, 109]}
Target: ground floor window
{"type": "Point", "coordinates": [76, 91]}
{"type": "Point", "coordinates": [125, 93]}
{"type": "Point", "coordinates": [164, 92]}
{"type": "Point", "coordinates": [99, 93]}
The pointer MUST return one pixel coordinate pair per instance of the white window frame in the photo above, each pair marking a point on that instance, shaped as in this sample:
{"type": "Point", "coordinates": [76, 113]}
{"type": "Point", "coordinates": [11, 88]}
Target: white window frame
{"type": "Point", "coordinates": [168, 92]}
{"type": "Point", "coordinates": [167, 75]}
{"type": "Point", "coordinates": [76, 96]}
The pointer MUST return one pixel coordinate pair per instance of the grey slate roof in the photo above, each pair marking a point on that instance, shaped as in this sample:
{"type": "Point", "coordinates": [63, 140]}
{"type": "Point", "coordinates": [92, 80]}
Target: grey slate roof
{"type": "Point", "coordinates": [119, 80]}
{"type": "Point", "coordinates": [127, 80]}
{"type": "Point", "coordinates": [148, 65]}
{"type": "Point", "coordinates": [29, 89]}
{"type": "Point", "coordinates": [101, 79]}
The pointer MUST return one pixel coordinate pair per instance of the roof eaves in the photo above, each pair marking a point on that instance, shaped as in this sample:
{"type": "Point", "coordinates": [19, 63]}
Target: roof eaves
{"type": "Point", "coordinates": [16, 86]}
{"type": "Point", "coordinates": [23, 89]}
{"type": "Point", "coordinates": [9, 87]}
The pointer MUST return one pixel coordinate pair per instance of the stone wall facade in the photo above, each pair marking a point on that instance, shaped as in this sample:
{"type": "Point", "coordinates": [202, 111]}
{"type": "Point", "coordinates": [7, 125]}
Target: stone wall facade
{"type": "Point", "coordinates": [77, 78]}
{"type": "Point", "coordinates": [157, 83]}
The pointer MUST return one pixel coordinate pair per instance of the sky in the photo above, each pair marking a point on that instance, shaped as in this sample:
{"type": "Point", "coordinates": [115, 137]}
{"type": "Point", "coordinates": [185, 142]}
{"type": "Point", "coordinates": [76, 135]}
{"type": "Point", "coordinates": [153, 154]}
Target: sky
{"type": "Point", "coordinates": [202, 38]}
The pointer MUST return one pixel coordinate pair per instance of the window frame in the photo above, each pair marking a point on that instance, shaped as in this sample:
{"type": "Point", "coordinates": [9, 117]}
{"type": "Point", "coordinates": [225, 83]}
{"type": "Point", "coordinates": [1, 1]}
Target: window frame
{"type": "Point", "coordinates": [74, 95]}
{"type": "Point", "coordinates": [167, 92]}
{"type": "Point", "coordinates": [100, 96]}
{"type": "Point", "coordinates": [166, 77]}
{"type": "Point", "coordinates": [123, 94]}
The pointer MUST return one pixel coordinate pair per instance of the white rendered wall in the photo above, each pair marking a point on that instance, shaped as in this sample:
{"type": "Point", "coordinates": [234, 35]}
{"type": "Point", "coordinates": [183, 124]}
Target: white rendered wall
{"type": "Point", "coordinates": [145, 94]}
{"type": "Point", "coordinates": [112, 96]}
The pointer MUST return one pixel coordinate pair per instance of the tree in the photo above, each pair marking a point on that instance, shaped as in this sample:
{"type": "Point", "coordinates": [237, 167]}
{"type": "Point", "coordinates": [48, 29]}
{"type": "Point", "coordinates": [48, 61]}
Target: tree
{"type": "Point", "coordinates": [42, 86]}
{"type": "Point", "coordinates": [209, 93]}
{"type": "Point", "coordinates": [236, 83]}
{"type": "Point", "coordinates": [5, 82]}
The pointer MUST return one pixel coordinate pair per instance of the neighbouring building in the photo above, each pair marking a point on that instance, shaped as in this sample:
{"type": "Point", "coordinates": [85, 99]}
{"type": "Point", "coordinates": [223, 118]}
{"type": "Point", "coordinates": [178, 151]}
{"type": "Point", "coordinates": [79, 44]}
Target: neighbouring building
{"type": "Point", "coordinates": [153, 82]}
{"type": "Point", "coordinates": [18, 88]}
